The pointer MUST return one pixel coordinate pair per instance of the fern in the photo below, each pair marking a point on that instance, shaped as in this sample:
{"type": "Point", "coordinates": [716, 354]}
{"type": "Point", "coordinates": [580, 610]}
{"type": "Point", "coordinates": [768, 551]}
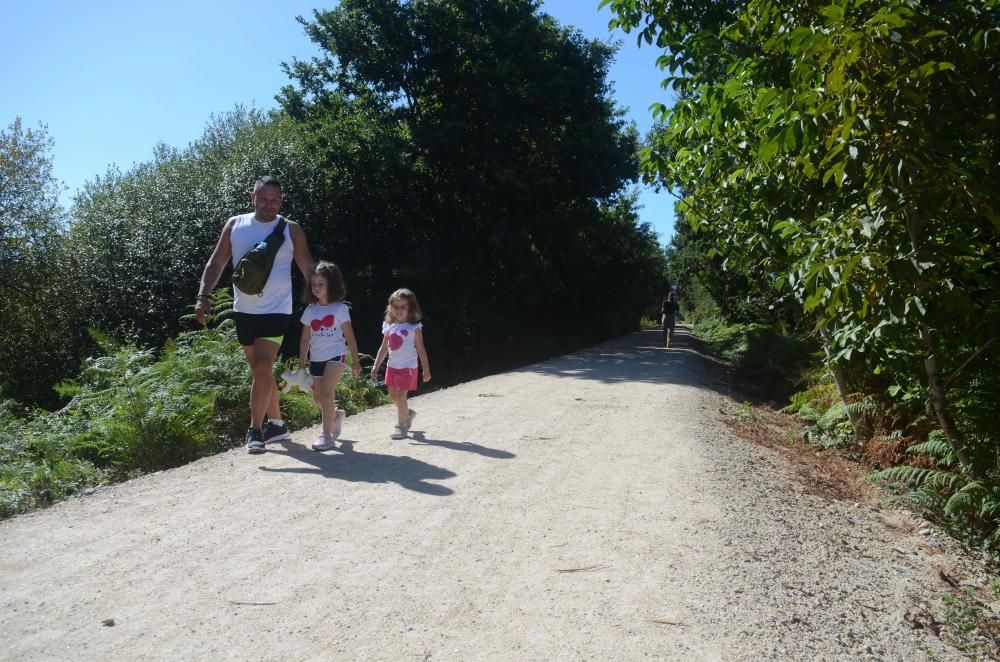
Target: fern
{"type": "Point", "coordinates": [935, 447]}
{"type": "Point", "coordinates": [864, 407]}
{"type": "Point", "coordinates": [964, 500]}
{"type": "Point", "coordinates": [133, 410]}
{"type": "Point", "coordinates": [904, 473]}
{"type": "Point", "coordinates": [221, 308]}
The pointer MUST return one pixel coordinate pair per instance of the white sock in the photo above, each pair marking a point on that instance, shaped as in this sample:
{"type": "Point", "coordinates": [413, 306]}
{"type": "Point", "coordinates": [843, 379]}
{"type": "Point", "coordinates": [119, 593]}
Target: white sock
{"type": "Point", "coordinates": [276, 421]}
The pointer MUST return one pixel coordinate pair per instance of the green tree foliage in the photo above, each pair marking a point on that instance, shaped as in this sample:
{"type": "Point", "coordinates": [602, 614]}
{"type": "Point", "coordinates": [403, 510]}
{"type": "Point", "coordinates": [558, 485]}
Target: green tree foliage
{"type": "Point", "coordinates": [41, 336]}
{"type": "Point", "coordinates": [494, 161]}
{"type": "Point", "coordinates": [708, 286]}
{"type": "Point", "coordinates": [142, 236]}
{"type": "Point", "coordinates": [848, 151]}
{"type": "Point", "coordinates": [470, 151]}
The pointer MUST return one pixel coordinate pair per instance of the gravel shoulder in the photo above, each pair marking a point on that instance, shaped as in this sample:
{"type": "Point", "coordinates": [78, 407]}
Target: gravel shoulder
{"type": "Point", "coordinates": [594, 506]}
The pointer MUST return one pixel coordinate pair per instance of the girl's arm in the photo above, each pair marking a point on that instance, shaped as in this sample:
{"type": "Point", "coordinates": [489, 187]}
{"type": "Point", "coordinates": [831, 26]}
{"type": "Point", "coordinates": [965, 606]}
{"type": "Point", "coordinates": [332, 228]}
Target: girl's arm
{"type": "Point", "coordinates": [304, 347]}
{"type": "Point", "coordinates": [382, 351]}
{"type": "Point", "coordinates": [418, 339]}
{"type": "Point", "coordinates": [352, 344]}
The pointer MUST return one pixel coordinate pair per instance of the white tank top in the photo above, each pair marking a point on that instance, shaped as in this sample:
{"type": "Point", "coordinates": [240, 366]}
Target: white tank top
{"type": "Point", "coordinates": [246, 233]}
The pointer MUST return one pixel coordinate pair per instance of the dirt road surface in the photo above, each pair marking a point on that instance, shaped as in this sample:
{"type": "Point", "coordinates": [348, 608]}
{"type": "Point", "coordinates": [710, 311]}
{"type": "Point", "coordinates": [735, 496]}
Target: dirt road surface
{"type": "Point", "coordinates": [593, 506]}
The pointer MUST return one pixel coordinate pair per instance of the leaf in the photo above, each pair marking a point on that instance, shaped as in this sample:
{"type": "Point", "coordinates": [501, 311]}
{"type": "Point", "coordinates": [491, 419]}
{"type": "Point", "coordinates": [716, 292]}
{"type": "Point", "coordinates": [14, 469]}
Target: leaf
{"type": "Point", "coordinates": [832, 12]}
{"type": "Point", "coordinates": [815, 299]}
{"type": "Point", "coordinates": [788, 139]}
{"type": "Point", "coordinates": [768, 150]}
{"type": "Point", "coordinates": [931, 68]}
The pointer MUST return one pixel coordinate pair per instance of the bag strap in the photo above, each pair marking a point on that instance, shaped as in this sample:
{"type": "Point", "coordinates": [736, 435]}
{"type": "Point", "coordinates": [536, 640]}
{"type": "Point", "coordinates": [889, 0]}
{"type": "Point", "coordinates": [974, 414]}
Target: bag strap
{"type": "Point", "coordinates": [280, 228]}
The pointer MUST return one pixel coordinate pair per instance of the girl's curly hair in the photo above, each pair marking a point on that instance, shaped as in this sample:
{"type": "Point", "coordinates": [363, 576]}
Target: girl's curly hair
{"type": "Point", "coordinates": [414, 314]}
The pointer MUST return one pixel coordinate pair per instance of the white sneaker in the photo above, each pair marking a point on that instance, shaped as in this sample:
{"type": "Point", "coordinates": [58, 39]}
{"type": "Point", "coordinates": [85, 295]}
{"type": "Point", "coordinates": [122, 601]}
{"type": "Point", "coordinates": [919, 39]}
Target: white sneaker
{"type": "Point", "coordinates": [324, 442]}
{"type": "Point", "coordinates": [338, 423]}
{"type": "Point", "coordinates": [398, 432]}
{"type": "Point", "coordinates": [409, 419]}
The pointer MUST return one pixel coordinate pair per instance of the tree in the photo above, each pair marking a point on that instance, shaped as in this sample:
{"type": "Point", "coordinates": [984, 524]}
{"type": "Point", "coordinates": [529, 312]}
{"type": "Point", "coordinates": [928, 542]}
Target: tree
{"type": "Point", "coordinates": [40, 333]}
{"type": "Point", "coordinates": [849, 150]}
{"type": "Point", "coordinates": [142, 236]}
{"type": "Point", "coordinates": [494, 162]}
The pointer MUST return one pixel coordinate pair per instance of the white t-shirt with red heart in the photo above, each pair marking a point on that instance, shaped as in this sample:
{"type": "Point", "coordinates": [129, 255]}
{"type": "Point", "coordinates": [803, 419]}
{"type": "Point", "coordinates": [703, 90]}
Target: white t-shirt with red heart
{"type": "Point", "coordinates": [327, 337]}
{"type": "Point", "coordinates": [402, 343]}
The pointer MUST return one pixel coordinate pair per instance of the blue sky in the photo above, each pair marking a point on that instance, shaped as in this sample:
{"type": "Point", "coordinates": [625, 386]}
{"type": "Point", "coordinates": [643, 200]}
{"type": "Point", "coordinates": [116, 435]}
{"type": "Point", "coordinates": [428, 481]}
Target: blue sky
{"type": "Point", "coordinates": [112, 78]}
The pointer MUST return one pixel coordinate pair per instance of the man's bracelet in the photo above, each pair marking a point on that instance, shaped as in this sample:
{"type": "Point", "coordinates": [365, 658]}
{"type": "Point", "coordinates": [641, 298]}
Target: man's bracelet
{"type": "Point", "coordinates": [203, 296]}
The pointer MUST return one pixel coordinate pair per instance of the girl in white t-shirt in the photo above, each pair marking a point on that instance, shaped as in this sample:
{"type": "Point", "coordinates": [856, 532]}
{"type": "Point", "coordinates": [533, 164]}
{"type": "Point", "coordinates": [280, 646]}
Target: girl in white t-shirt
{"type": "Point", "coordinates": [403, 341]}
{"type": "Point", "coordinates": [326, 335]}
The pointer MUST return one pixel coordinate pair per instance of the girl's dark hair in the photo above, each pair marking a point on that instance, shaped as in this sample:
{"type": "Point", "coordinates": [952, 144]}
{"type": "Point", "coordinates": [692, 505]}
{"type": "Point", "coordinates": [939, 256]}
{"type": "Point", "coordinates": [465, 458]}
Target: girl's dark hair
{"type": "Point", "coordinates": [413, 313]}
{"type": "Point", "coordinates": [335, 288]}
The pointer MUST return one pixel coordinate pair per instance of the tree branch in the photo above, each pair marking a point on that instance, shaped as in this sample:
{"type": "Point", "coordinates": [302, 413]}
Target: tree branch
{"type": "Point", "coordinates": [968, 361]}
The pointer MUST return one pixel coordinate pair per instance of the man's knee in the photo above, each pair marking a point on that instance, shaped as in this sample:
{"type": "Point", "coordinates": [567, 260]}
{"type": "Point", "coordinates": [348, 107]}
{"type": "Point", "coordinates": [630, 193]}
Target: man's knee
{"type": "Point", "coordinates": [262, 368]}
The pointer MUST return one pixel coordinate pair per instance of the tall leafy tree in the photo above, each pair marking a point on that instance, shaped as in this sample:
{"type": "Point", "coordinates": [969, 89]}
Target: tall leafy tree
{"type": "Point", "coordinates": [507, 158]}
{"type": "Point", "coordinates": [847, 148]}
{"type": "Point", "coordinates": [142, 236]}
{"type": "Point", "coordinates": [40, 303]}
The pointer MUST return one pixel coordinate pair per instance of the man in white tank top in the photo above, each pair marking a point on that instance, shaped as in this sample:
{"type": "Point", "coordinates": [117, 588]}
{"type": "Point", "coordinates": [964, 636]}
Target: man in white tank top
{"type": "Point", "coordinates": [261, 320]}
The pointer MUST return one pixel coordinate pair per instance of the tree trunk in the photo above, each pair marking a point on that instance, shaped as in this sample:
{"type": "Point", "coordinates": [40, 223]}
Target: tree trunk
{"type": "Point", "coordinates": [862, 431]}
{"type": "Point", "coordinates": [938, 400]}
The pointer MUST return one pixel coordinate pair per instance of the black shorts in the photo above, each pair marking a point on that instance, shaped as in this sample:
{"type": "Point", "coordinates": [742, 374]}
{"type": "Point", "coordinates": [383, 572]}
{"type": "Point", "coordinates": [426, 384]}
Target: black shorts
{"type": "Point", "coordinates": [317, 368]}
{"type": "Point", "coordinates": [272, 327]}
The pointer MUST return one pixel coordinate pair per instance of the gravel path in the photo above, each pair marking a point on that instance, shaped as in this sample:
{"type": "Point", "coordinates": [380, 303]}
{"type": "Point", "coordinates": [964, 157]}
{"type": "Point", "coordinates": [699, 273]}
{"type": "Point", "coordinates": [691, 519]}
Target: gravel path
{"type": "Point", "coordinates": [593, 506]}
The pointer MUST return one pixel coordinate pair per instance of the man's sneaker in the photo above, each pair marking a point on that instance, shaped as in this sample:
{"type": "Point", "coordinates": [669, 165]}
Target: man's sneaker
{"type": "Point", "coordinates": [273, 432]}
{"type": "Point", "coordinates": [409, 419]}
{"type": "Point", "coordinates": [338, 423]}
{"type": "Point", "coordinates": [324, 442]}
{"type": "Point", "coordinates": [398, 432]}
{"type": "Point", "coordinates": [255, 441]}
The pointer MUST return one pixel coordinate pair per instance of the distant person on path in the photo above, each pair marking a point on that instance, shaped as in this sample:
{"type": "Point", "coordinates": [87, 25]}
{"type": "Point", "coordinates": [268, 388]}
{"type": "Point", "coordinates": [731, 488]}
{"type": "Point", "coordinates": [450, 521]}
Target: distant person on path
{"type": "Point", "coordinates": [668, 314]}
{"type": "Point", "coordinates": [403, 341]}
{"type": "Point", "coordinates": [327, 334]}
{"type": "Point", "coordinates": [262, 319]}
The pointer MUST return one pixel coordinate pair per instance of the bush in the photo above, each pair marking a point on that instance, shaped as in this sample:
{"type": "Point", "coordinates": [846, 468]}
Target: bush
{"type": "Point", "coordinates": [646, 323]}
{"type": "Point", "coordinates": [767, 360]}
{"type": "Point", "coordinates": [145, 413]}
{"type": "Point", "coordinates": [827, 424]}
{"type": "Point", "coordinates": [133, 411]}
{"type": "Point", "coordinates": [37, 465]}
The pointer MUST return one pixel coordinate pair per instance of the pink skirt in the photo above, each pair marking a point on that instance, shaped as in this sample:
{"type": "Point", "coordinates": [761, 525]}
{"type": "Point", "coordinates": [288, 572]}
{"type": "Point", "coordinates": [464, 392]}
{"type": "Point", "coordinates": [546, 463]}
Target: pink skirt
{"type": "Point", "coordinates": [405, 379]}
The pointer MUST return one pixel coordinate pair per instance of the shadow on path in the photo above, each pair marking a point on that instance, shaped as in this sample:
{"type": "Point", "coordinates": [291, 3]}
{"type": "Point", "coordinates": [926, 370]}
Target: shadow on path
{"type": "Point", "coordinates": [354, 467]}
{"type": "Point", "coordinates": [640, 357]}
{"type": "Point", "coordinates": [419, 438]}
